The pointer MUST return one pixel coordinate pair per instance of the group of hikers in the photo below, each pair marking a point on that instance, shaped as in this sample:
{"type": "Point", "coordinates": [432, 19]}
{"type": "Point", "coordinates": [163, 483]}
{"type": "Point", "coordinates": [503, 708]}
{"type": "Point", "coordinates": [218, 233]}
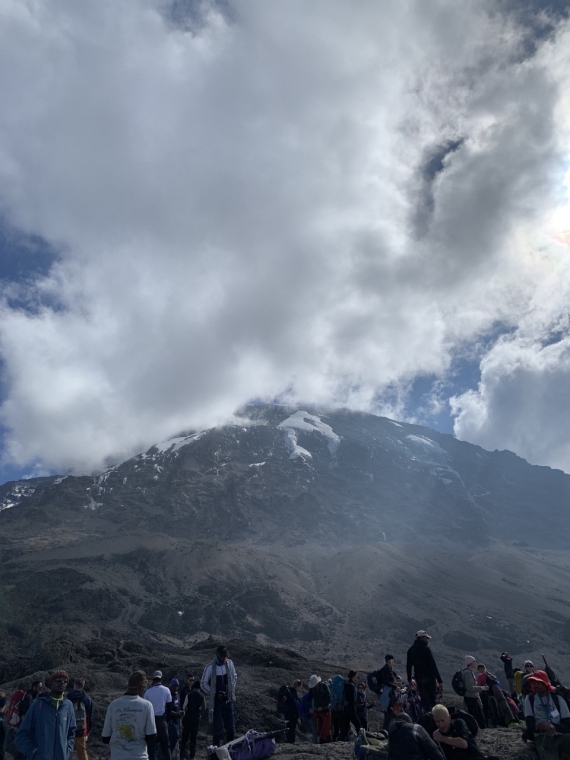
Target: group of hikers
{"type": "Point", "coordinates": [152, 719]}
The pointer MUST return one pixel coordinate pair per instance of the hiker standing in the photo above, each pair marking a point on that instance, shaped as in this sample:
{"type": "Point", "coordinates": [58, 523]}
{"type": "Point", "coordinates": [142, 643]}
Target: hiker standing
{"type": "Point", "coordinates": [161, 700]}
{"type": "Point", "coordinates": [492, 682]}
{"type": "Point", "coordinates": [350, 715]}
{"type": "Point", "coordinates": [219, 684]}
{"type": "Point", "coordinates": [472, 690]}
{"type": "Point", "coordinates": [528, 671]}
{"type": "Point", "coordinates": [29, 697]}
{"type": "Point", "coordinates": [130, 726]}
{"type": "Point", "coordinates": [319, 704]}
{"type": "Point", "coordinates": [362, 705]}
{"type": "Point", "coordinates": [186, 687]}
{"type": "Point", "coordinates": [421, 660]}
{"type": "Point", "coordinates": [507, 661]}
{"type": "Point", "coordinates": [83, 708]}
{"type": "Point", "coordinates": [194, 708]}
{"type": "Point", "coordinates": [288, 705]}
{"type": "Point", "coordinates": [48, 730]}
{"type": "Point", "coordinates": [337, 708]}
{"type": "Point", "coordinates": [175, 715]}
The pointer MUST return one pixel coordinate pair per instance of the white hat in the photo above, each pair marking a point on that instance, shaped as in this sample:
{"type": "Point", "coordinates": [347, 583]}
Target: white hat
{"type": "Point", "coordinates": [469, 660]}
{"type": "Point", "coordinates": [157, 674]}
{"type": "Point", "coordinates": [313, 681]}
{"type": "Point", "coordinates": [419, 635]}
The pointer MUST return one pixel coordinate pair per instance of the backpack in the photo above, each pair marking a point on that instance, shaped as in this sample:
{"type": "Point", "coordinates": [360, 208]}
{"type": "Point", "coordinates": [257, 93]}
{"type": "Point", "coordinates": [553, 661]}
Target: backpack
{"type": "Point", "coordinates": [80, 716]}
{"type": "Point", "coordinates": [368, 745]}
{"type": "Point", "coordinates": [13, 719]}
{"type": "Point", "coordinates": [337, 693]}
{"type": "Point", "coordinates": [372, 681]}
{"type": "Point", "coordinates": [458, 684]}
{"type": "Point", "coordinates": [468, 719]}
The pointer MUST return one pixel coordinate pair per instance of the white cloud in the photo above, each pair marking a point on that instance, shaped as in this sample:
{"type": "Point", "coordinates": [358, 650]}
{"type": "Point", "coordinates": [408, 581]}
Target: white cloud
{"type": "Point", "coordinates": [235, 206]}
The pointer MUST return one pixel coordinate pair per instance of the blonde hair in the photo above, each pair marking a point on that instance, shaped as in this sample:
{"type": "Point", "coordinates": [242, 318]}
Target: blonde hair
{"type": "Point", "coordinates": [440, 710]}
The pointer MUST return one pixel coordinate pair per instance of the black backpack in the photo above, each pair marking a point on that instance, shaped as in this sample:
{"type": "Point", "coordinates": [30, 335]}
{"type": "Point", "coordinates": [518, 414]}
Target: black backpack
{"type": "Point", "coordinates": [458, 684]}
{"type": "Point", "coordinates": [468, 719]}
{"type": "Point", "coordinates": [373, 683]}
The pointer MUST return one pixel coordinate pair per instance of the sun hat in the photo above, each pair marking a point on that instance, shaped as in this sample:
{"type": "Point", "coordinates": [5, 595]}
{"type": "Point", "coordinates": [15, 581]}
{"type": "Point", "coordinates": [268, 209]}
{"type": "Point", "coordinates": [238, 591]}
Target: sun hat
{"type": "Point", "coordinates": [420, 634]}
{"type": "Point", "coordinates": [313, 681]}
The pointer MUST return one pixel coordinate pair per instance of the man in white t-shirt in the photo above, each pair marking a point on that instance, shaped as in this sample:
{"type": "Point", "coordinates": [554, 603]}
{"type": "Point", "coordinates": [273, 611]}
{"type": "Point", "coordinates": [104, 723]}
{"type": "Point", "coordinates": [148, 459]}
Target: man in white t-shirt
{"type": "Point", "coordinates": [161, 700]}
{"type": "Point", "coordinates": [129, 726]}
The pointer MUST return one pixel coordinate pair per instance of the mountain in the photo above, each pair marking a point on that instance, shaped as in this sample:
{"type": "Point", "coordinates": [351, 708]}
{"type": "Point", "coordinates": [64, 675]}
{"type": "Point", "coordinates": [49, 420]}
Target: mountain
{"type": "Point", "coordinates": [333, 532]}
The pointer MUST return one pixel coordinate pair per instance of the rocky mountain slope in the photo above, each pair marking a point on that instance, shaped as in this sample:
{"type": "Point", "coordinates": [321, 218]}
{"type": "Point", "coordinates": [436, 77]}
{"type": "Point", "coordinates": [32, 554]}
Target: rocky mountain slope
{"type": "Point", "coordinates": [336, 533]}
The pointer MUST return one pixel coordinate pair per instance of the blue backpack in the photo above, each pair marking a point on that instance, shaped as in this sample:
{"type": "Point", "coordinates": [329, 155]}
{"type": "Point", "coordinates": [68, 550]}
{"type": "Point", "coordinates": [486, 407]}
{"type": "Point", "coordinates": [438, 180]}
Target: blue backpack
{"type": "Point", "coordinates": [337, 693]}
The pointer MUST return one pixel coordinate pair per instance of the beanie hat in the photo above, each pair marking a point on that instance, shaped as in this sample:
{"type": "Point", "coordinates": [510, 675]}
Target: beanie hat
{"type": "Point", "coordinates": [175, 682]}
{"type": "Point", "coordinates": [529, 662]}
{"type": "Point", "coordinates": [58, 674]}
{"type": "Point", "coordinates": [469, 660]}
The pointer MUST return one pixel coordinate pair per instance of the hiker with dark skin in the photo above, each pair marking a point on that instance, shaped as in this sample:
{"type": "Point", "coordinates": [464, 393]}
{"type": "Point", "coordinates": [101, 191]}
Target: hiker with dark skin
{"type": "Point", "coordinates": [547, 717]}
{"type": "Point", "coordinates": [83, 707]}
{"type": "Point", "coordinates": [194, 709]}
{"type": "Point", "coordinates": [421, 662]}
{"type": "Point", "coordinates": [130, 728]}
{"type": "Point", "coordinates": [48, 730]}
{"type": "Point", "coordinates": [219, 685]}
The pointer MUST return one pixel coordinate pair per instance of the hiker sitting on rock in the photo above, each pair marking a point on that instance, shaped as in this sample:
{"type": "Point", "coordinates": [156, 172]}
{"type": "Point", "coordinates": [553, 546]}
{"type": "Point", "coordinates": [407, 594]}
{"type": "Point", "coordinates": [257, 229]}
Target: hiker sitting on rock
{"type": "Point", "coordinates": [408, 741]}
{"type": "Point", "coordinates": [547, 717]}
{"type": "Point", "coordinates": [454, 738]}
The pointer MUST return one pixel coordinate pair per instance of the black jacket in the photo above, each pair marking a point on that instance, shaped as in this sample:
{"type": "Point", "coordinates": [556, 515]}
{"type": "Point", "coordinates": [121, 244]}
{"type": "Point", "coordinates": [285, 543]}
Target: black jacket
{"type": "Point", "coordinates": [195, 708]}
{"type": "Point", "coordinates": [408, 741]}
{"type": "Point", "coordinates": [387, 676]}
{"type": "Point", "coordinates": [420, 659]}
{"type": "Point", "coordinates": [289, 701]}
{"type": "Point", "coordinates": [349, 695]}
{"type": "Point", "coordinates": [508, 663]}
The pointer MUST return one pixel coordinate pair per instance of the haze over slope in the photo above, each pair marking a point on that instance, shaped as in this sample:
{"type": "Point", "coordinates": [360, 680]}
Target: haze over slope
{"type": "Point", "coordinates": [339, 532]}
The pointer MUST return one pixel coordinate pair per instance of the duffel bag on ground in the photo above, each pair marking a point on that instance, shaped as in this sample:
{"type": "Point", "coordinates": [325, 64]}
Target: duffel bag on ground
{"type": "Point", "coordinates": [368, 745]}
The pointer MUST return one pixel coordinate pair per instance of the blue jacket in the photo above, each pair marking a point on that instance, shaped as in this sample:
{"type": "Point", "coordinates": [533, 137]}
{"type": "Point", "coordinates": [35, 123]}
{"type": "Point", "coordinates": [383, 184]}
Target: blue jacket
{"type": "Point", "coordinates": [49, 732]}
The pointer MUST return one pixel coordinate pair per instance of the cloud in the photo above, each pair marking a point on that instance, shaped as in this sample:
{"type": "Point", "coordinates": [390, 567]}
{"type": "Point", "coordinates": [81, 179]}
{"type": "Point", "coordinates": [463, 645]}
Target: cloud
{"type": "Point", "coordinates": [235, 202]}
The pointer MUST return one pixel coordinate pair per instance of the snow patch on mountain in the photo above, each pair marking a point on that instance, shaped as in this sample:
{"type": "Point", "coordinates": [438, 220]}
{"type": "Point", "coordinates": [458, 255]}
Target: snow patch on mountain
{"type": "Point", "coordinates": [174, 444]}
{"type": "Point", "coordinates": [426, 443]}
{"type": "Point", "coordinates": [308, 423]}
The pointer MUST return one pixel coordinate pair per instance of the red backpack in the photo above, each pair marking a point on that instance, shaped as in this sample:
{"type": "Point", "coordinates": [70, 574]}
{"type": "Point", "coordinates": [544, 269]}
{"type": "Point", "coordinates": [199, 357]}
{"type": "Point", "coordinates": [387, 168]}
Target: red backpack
{"type": "Point", "coordinates": [13, 719]}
